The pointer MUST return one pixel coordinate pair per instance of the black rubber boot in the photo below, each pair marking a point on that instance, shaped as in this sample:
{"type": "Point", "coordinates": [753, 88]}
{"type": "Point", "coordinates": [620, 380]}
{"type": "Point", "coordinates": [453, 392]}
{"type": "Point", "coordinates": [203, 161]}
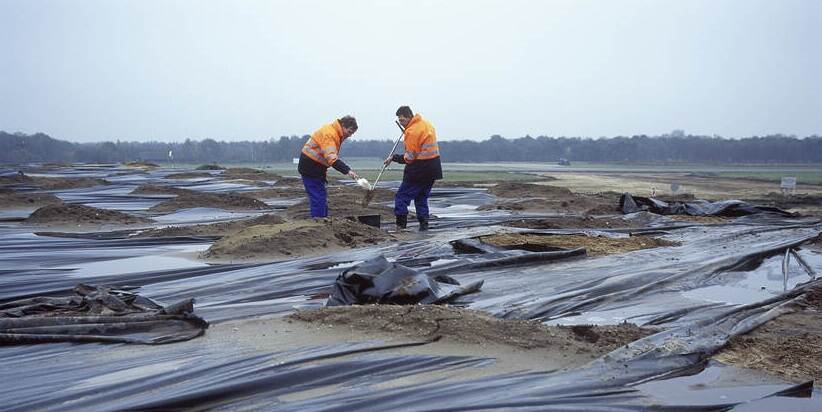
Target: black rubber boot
{"type": "Point", "coordinates": [402, 222]}
{"type": "Point", "coordinates": [423, 223]}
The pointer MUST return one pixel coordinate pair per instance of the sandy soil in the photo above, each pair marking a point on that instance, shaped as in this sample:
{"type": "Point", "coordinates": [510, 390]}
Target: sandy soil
{"type": "Point", "coordinates": [513, 345]}
{"type": "Point", "coordinates": [470, 328]}
{"type": "Point", "coordinates": [142, 165]}
{"type": "Point", "coordinates": [595, 246]}
{"type": "Point", "coordinates": [209, 167]}
{"type": "Point", "coordinates": [574, 222]}
{"type": "Point", "coordinates": [51, 183]}
{"type": "Point", "coordinates": [295, 238]}
{"type": "Point", "coordinates": [212, 229]}
{"type": "Point", "coordinates": [701, 187]}
{"type": "Point", "coordinates": [246, 173]}
{"type": "Point", "coordinates": [344, 201]}
{"type": "Point", "coordinates": [544, 198]}
{"type": "Point", "coordinates": [81, 215]}
{"type": "Point", "coordinates": [789, 346]}
{"type": "Point", "coordinates": [188, 175]}
{"type": "Point", "coordinates": [10, 199]}
{"type": "Point", "coordinates": [226, 201]}
{"type": "Point", "coordinates": [700, 219]}
{"type": "Point", "coordinates": [160, 190]}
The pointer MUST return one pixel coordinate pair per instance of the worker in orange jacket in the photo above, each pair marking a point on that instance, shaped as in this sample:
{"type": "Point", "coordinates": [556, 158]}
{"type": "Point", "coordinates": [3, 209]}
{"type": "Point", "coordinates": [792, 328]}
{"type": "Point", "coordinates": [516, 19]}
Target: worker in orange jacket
{"type": "Point", "coordinates": [319, 153]}
{"type": "Point", "coordinates": [422, 167]}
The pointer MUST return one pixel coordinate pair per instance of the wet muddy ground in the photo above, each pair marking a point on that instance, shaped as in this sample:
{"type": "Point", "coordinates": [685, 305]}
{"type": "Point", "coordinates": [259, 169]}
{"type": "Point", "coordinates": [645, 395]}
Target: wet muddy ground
{"type": "Point", "coordinates": [267, 223]}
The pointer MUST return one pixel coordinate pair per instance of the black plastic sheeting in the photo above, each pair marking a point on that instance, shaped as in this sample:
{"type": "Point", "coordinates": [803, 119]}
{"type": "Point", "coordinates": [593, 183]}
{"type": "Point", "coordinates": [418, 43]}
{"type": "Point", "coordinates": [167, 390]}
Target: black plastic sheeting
{"type": "Point", "coordinates": [97, 314]}
{"type": "Point", "coordinates": [731, 208]}
{"type": "Point", "coordinates": [721, 280]}
{"type": "Point", "coordinates": [379, 281]}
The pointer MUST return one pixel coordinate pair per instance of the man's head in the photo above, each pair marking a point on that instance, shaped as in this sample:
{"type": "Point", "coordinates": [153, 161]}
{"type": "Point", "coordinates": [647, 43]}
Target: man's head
{"type": "Point", "coordinates": [404, 115]}
{"type": "Point", "coordinates": [349, 126]}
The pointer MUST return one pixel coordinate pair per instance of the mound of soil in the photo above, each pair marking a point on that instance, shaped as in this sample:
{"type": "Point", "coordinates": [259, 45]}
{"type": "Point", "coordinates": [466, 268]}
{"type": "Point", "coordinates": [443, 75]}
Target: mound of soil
{"type": "Point", "coordinates": [516, 196]}
{"type": "Point", "coordinates": [789, 346]}
{"type": "Point", "coordinates": [81, 215]}
{"type": "Point", "coordinates": [142, 164]}
{"type": "Point", "coordinates": [212, 229]}
{"type": "Point", "coordinates": [10, 199]}
{"type": "Point", "coordinates": [188, 175]}
{"type": "Point", "coordinates": [51, 183]}
{"type": "Point", "coordinates": [346, 201]}
{"type": "Point", "coordinates": [472, 327]}
{"type": "Point", "coordinates": [246, 173]}
{"type": "Point", "coordinates": [518, 190]}
{"type": "Point", "coordinates": [226, 201]}
{"type": "Point", "coordinates": [700, 219]}
{"type": "Point", "coordinates": [573, 222]}
{"type": "Point", "coordinates": [595, 246]}
{"type": "Point", "coordinates": [209, 167]}
{"type": "Point", "coordinates": [160, 190]}
{"type": "Point", "coordinates": [297, 238]}
{"type": "Point", "coordinates": [278, 191]}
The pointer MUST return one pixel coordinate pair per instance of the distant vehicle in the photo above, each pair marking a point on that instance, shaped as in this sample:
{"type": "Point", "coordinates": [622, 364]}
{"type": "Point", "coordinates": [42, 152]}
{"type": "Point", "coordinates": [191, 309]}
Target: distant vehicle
{"type": "Point", "coordinates": [564, 162]}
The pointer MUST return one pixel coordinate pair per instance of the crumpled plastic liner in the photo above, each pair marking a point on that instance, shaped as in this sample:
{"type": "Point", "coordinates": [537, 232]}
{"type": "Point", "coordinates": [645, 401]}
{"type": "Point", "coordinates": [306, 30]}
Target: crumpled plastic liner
{"type": "Point", "coordinates": [732, 208]}
{"type": "Point", "coordinates": [96, 314]}
{"type": "Point", "coordinates": [666, 287]}
{"type": "Point", "coordinates": [378, 281]}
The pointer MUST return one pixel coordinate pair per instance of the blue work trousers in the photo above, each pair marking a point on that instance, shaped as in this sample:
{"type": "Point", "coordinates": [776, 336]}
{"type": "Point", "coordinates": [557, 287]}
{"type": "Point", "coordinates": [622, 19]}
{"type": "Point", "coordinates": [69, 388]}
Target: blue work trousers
{"type": "Point", "coordinates": [418, 192]}
{"type": "Point", "coordinates": [317, 195]}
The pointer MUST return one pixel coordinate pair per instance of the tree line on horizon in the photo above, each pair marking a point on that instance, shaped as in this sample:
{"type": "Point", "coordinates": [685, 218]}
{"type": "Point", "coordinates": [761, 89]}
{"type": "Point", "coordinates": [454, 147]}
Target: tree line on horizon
{"type": "Point", "coordinates": [669, 148]}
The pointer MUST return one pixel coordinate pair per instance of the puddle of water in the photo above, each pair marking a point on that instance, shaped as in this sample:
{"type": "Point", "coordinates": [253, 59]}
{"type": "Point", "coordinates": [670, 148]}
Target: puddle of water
{"type": "Point", "coordinates": [169, 260]}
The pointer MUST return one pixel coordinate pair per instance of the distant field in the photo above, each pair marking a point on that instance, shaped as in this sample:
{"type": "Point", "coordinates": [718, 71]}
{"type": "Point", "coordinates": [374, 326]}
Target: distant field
{"type": "Point", "coordinates": [369, 167]}
{"type": "Point", "coordinates": [802, 177]}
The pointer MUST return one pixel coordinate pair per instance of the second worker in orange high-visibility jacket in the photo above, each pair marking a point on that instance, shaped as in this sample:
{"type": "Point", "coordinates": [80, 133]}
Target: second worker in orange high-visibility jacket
{"type": "Point", "coordinates": [319, 153]}
{"type": "Point", "coordinates": [422, 167]}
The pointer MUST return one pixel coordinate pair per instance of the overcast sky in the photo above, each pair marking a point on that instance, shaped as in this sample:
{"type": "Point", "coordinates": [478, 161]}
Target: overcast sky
{"type": "Point", "coordinates": [236, 70]}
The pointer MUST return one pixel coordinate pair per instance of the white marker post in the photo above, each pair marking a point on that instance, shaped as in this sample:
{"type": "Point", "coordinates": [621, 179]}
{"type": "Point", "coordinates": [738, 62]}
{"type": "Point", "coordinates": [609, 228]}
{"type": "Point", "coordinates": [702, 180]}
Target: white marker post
{"type": "Point", "coordinates": [788, 185]}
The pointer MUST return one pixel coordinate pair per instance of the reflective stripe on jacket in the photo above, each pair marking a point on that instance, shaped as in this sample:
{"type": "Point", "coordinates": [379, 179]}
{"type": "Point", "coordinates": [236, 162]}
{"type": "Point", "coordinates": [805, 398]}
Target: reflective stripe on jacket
{"type": "Point", "coordinates": [420, 140]}
{"type": "Point", "coordinates": [324, 145]}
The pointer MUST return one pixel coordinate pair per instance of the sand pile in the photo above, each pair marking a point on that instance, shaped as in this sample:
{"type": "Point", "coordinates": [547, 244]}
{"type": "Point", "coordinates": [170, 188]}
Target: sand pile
{"type": "Point", "coordinates": [11, 199]}
{"type": "Point", "coordinates": [595, 246]}
{"type": "Point", "coordinates": [209, 167]}
{"type": "Point", "coordinates": [789, 346]}
{"type": "Point", "coordinates": [142, 165]}
{"type": "Point", "coordinates": [573, 222]}
{"type": "Point", "coordinates": [277, 192]}
{"type": "Point", "coordinates": [81, 215]}
{"type": "Point", "coordinates": [296, 238]}
{"type": "Point", "coordinates": [51, 183]}
{"type": "Point", "coordinates": [245, 173]}
{"type": "Point", "coordinates": [345, 201]}
{"type": "Point", "coordinates": [188, 175]}
{"type": "Point", "coordinates": [226, 201]}
{"type": "Point", "coordinates": [160, 190]}
{"type": "Point", "coordinates": [472, 327]}
{"type": "Point", "coordinates": [517, 190]}
{"type": "Point", "coordinates": [550, 199]}
{"type": "Point", "coordinates": [212, 229]}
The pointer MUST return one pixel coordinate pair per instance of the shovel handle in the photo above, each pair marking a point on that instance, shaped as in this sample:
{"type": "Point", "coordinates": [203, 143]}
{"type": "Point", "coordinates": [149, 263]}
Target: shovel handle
{"type": "Point", "coordinates": [397, 143]}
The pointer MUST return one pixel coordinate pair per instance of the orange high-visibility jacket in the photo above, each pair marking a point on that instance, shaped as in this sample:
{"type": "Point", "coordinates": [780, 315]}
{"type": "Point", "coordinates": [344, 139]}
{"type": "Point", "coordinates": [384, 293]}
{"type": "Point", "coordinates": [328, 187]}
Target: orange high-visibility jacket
{"type": "Point", "coordinates": [324, 145]}
{"type": "Point", "coordinates": [420, 140]}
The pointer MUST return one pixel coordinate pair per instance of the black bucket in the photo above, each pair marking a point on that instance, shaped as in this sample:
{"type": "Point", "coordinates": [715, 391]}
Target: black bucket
{"type": "Point", "coordinates": [370, 220]}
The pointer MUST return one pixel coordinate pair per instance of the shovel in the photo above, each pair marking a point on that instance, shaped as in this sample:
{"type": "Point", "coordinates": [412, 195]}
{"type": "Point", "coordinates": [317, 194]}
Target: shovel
{"type": "Point", "coordinates": [370, 194]}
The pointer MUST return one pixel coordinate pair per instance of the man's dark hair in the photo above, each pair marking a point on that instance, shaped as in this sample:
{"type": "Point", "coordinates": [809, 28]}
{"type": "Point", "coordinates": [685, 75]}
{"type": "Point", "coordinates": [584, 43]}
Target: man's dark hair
{"type": "Point", "coordinates": [404, 111]}
{"type": "Point", "coordinates": [349, 122]}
